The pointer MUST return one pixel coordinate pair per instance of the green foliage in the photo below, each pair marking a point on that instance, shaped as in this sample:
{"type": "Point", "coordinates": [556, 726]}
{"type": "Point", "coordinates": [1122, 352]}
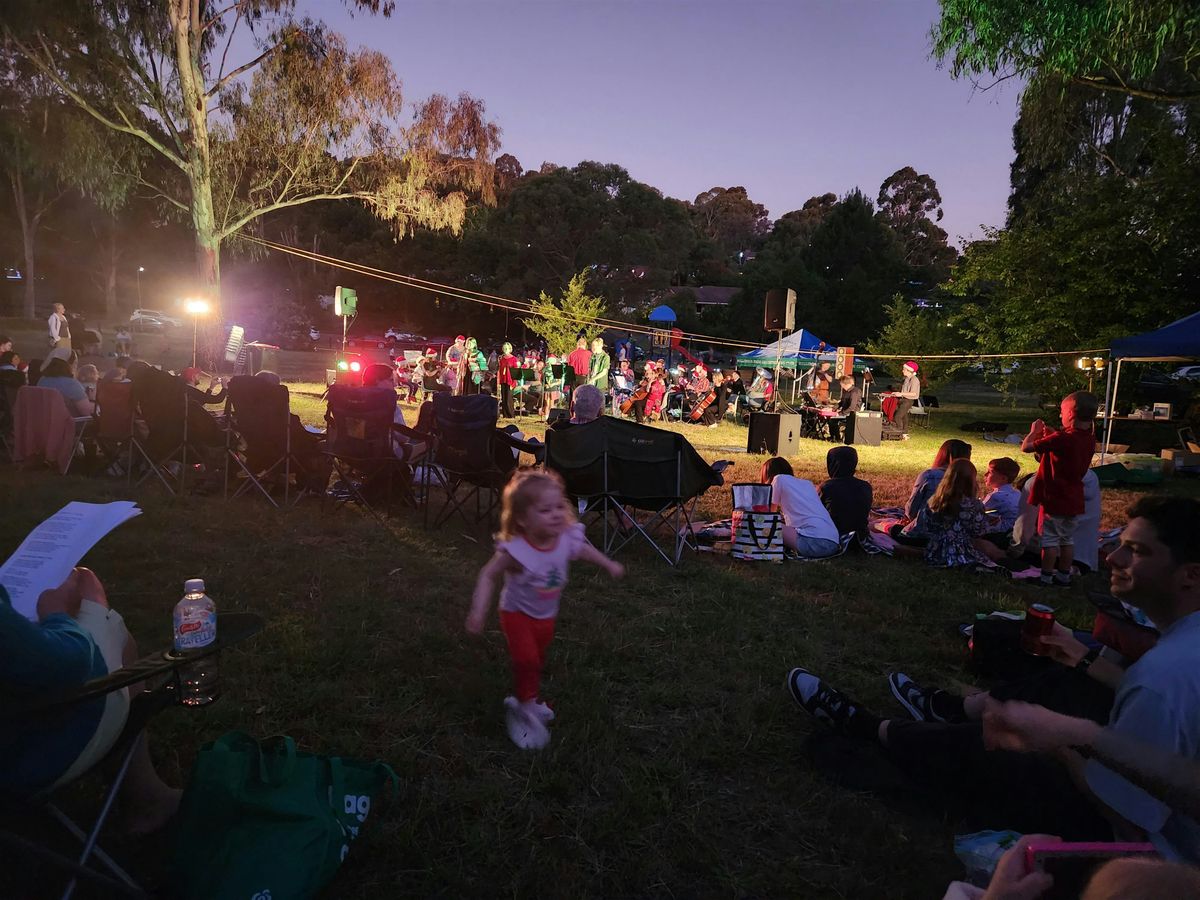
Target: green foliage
{"type": "Point", "coordinates": [907, 201]}
{"type": "Point", "coordinates": [1145, 48]}
{"type": "Point", "coordinates": [560, 322]}
{"type": "Point", "coordinates": [918, 333]}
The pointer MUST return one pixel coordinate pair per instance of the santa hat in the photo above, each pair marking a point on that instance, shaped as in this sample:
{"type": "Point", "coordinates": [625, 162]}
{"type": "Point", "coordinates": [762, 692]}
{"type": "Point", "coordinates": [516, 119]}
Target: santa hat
{"type": "Point", "coordinates": [912, 365]}
{"type": "Point", "coordinates": [191, 374]}
{"type": "Point", "coordinates": [460, 338]}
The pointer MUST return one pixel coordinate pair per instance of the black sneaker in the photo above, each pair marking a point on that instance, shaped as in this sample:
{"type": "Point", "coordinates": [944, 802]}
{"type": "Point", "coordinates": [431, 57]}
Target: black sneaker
{"type": "Point", "coordinates": [914, 698]}
{"type": "Point", "coordinates": [819, 700]}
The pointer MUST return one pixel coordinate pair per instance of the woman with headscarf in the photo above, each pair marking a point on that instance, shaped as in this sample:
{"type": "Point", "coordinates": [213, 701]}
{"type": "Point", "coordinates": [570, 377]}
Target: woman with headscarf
{"type": "Point", "coordinates": [847, 498]}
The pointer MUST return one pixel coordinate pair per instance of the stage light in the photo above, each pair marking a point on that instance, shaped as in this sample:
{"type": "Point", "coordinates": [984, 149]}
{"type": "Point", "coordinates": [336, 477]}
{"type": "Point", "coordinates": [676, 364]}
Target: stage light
{"type": "Point", "coordinates": [356, 366]}
{"type": "Point", "coordinates": [196, 307]}
{"type": "Point", "coordinates": [343, 366]}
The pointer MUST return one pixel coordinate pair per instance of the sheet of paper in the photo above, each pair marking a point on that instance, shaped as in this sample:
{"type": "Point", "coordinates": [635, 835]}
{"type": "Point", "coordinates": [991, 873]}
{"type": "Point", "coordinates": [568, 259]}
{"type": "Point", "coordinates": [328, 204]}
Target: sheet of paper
{"type": "Point", "coordinates": [56, 546]}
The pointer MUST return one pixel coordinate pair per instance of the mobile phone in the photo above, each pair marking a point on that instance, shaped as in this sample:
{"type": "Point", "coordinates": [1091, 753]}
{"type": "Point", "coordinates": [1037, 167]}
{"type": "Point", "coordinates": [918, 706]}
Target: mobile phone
{"type": "Point", "coordinates": [1072, 864]}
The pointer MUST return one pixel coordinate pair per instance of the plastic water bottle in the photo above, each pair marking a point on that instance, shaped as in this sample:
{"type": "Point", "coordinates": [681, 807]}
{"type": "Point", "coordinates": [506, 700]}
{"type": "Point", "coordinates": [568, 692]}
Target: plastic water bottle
{"type": "Point", "coordinates": [195, 628]}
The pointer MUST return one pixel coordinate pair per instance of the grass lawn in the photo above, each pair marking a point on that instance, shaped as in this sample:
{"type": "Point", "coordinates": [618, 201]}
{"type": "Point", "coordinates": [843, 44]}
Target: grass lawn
{"type": "Point", "coordinates": [676, 767]}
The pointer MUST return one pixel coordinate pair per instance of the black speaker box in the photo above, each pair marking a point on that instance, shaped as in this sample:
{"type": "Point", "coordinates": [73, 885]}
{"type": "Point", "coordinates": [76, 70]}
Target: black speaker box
{"type": "Point", "coordinates": [774, 433]}
{"type": "Point", "coordinates": [864, 428]}
{"type": "Point", "coordinates": [779, 311]}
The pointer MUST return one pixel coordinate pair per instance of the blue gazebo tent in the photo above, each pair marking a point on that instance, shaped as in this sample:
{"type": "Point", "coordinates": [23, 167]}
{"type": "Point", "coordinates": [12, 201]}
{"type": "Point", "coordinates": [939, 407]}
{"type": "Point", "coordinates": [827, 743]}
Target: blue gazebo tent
{"type": "Point", "coordinates": [797, 350]}
{"type": "Point", "coordinates": [1177, 342]}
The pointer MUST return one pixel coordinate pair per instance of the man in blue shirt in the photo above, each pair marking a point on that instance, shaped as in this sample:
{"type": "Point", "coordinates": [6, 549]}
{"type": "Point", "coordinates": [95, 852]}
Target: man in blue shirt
{"type": "Point", "coordinates": [76, 638]}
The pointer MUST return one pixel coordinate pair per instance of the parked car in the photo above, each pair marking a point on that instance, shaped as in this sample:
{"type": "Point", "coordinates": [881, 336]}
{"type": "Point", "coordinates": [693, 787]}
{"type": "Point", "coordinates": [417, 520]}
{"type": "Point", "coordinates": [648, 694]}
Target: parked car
{"type": "Point", "coordinates": [1187, 373]}
{"type": "Point", "coordinates": [154, 317]}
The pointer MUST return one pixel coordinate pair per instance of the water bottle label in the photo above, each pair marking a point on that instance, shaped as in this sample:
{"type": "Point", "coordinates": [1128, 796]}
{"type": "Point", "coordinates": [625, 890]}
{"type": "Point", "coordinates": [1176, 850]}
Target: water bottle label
{"type": "Point", "coordinates": [194, 633]}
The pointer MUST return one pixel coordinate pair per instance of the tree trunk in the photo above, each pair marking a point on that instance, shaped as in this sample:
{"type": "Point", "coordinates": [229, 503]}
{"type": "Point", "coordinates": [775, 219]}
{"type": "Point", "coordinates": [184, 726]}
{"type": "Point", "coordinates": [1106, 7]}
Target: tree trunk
{"type": "Point", "coordinates": [185, 23]}
{"type": "Point", "coordinates": [111, 310]}
{"type": "Point", "coordinates": [29, 307]}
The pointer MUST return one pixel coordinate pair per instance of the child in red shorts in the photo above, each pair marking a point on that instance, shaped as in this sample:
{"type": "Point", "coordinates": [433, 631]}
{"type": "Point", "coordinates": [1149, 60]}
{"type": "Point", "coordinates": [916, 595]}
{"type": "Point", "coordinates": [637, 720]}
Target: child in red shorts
{"type": "Point", "coordinates": [1065, 458]}
{"type": "Point", "coordinates": [538, 539]}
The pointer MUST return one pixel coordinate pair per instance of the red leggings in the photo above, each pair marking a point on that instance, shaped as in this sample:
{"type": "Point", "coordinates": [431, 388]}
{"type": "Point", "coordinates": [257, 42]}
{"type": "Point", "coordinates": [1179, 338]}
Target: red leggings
{"type": "Point", "coordinates": [528, 639]}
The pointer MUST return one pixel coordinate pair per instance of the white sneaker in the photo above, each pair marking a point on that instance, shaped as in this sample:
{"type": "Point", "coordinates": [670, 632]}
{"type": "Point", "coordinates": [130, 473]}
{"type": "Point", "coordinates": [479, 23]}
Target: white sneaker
{"type": "Point", "coordinates": [525, 730]}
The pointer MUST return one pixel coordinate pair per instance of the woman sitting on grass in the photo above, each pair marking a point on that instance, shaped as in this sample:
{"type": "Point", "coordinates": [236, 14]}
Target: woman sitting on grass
{"type": "Point", "coordinates": [912, 532]}
{"type": "Point", "coordinates": [953, 517]}
{"type": "Point", "coordinates": [808, 529]}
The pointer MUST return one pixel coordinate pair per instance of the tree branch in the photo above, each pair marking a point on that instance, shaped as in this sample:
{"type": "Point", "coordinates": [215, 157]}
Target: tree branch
{"type": "Point", "coordinates": [232, 31]}
{"type": "Point", "coordinates": [216, 88]}
{"type": "Point", "coordinates": [83, 104]}
{"type": "Point", "coordinates": [1101, 83]}
{"type": "Point", "coordinates": [286, 204]}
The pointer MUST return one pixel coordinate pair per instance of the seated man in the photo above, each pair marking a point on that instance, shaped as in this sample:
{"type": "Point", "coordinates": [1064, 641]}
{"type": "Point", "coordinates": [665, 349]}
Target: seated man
{"type": "Point", "coordinates": [77, 638]}
{"type": "Point", "coordinates": [380, 377]}
{"type": "Point", "coordinates": [191, 377]}
{"type": "Point", "coordinates": [11, 375]}
{"type": "Point", "coordinates": [1157, 701]}
{"type": "Point", "coordinates": [850, 403]}
{"type": "Point", "coordinates": [587, 403]}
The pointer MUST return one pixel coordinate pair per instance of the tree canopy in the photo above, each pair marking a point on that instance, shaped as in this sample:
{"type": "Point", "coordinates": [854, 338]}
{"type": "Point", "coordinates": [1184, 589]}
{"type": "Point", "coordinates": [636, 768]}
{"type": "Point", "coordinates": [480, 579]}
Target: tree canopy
{"type": "Point", "coordinates": [1140, 48]}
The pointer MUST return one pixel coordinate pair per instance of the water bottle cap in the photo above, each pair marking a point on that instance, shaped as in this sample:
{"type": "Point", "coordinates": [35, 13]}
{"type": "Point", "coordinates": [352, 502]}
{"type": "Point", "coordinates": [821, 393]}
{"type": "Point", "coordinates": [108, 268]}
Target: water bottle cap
{"type": "Point", "coordinates": [194, 586]}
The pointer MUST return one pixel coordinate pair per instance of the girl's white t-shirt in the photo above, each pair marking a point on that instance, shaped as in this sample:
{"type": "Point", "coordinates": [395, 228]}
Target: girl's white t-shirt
{"type": "Point", "coordinates": [802, 508]}
{"type": "Point", "coordinates": [536, 588]}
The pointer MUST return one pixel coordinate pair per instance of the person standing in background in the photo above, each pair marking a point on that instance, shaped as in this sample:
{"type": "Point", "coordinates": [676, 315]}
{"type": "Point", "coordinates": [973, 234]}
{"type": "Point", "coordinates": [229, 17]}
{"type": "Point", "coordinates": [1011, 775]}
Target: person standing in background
{"type": "Point", "coordinates": [60, 331]}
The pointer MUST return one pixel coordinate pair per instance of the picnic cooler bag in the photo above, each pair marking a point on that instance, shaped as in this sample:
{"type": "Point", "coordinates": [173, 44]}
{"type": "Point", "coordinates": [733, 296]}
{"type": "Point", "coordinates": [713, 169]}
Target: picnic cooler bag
{"type": "Point", "coordinates": [265, 821]}
{"type": "Point", "coordinates": [757, 530]}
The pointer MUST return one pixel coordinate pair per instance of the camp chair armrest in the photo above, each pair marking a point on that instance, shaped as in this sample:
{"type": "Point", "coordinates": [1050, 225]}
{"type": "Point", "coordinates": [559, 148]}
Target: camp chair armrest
{"type": "Point", "coordinates": [412, 433]}
{"type": "Point", "coordinates": [534, 447]}
{"type": "Point", "coordinates": [232, 628]}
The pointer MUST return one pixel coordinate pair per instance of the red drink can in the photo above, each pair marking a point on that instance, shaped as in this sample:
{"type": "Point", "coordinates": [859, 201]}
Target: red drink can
{"type": "Point", "coordinates": [1039, 622]}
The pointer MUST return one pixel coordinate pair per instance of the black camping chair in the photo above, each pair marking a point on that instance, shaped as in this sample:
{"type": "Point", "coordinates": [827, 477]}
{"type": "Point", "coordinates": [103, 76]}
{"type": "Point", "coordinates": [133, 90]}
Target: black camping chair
{"type": "Point", "coordinates": [469, 458]}
{"type": "Point", "coordinates": [160, 671]}
{"type": "Point", "coordinates": [113, 426]}
{"type": "Point", "coordinates": [612, 466]}
{"type": "Point", "coordinates": [177, 430]}
{"type": "Point", "coordinates": [359, 442]}
{"type": "Point", "coordinates": [8, 402]}
{"type": "Point", "coordinates": [268, 445]}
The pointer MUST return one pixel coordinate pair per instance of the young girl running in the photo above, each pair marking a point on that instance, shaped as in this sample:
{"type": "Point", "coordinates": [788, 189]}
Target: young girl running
{"type": "Point", "coordinates": [538, 539]}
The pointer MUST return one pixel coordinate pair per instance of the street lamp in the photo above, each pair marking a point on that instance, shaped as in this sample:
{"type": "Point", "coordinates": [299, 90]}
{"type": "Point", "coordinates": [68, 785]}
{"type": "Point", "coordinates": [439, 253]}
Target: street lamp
{"type": "Point", "coordinates": [140, 270]}
{"type": "Point", "coordinates": [195, 308]}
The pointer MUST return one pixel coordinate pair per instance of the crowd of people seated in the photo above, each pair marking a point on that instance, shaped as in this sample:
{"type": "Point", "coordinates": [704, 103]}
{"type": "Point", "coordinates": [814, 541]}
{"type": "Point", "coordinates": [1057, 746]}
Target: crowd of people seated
{"type": "Point", "coordinates": [1051, 753]}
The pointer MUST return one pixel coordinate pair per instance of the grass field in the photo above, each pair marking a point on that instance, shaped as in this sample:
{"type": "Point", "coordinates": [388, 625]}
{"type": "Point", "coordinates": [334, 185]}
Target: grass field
{"type": "Point", "coordinates": [676, 767]}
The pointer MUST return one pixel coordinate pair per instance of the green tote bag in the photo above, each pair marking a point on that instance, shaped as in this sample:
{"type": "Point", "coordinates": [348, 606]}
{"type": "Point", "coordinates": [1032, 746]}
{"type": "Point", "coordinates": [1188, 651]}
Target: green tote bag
{"type": "Point", "coordinates": [264, 822]}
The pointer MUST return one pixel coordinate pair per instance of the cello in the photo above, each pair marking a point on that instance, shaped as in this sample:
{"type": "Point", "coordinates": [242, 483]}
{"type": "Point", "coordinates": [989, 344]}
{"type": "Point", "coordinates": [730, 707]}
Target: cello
{"type": "Point", "coordinates": [701, 405]}
{"type": "Point", "coordinates": [642, 392]}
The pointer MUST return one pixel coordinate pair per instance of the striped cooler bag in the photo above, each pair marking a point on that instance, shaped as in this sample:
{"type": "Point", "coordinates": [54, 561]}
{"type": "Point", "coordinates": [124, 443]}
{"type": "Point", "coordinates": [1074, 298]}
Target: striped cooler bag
{"type": "Point", "coordinates": [757, 531]}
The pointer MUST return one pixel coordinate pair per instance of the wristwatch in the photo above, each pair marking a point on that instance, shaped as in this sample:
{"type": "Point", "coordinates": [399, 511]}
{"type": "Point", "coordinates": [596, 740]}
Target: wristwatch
{"type": "Point", "coordinates": [1088, 658]}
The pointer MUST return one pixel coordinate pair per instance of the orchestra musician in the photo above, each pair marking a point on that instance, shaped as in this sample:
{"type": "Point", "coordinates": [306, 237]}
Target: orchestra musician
{"type": "Point", "coordinates": [822, 380]}
{"type": "Point", "coordinates": [851, 402]}
{"type": "Point", "coordinates": [909, 393]}
{"type": "Point", "coordinates": [625, 381]}
{"type": "Point", "coordinates": [762, 390]}
{"type": "Point", "coordinates": [455, 363]}
{"type": "Point", "coordinates": [552, 387]}
{"type": "Point", "coordinates": [504, 378]}
{"type": "Point", "coordinates": [475, 364]}
{"type": "Point", "coordinates": [701, 397]}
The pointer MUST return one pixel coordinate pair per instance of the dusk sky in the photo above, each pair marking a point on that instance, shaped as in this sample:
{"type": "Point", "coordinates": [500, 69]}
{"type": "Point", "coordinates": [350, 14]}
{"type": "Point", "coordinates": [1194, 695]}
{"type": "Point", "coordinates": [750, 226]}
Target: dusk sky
{"type": "Point", "coordinates": [790, 99]}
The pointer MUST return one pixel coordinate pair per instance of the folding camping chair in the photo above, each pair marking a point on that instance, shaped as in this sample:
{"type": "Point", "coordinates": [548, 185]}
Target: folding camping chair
{"type": "Point", "coordinates": [113, 426]}
{"type": "Point", "coordinates": [468, 452]}
{"type": "Point", "coordinates": [359, 443]}
{"type": "Point", "coordinates": [160, 669]}
{"type": "Point", "coordinates": [611, 466]}
{"type": "Point", "coordinates": [8, 401]}
{"type": "Point", "coordinates": [160, 401]}
{"type": "Point", "coordinates": [258, 419]}
{"type": "Point", "coordinates": [44, 429]}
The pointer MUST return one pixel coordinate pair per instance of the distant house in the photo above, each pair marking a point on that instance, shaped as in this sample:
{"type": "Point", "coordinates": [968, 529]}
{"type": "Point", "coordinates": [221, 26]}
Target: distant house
{"type": "Point", "coordinates": [705, 296]}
